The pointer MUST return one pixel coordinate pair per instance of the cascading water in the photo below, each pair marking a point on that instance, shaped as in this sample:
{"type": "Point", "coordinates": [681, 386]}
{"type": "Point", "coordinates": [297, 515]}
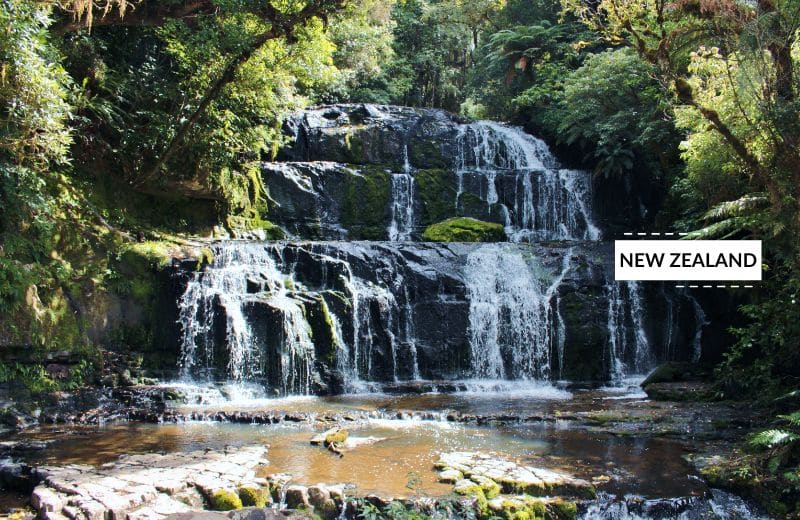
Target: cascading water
{"type": "Point", "coordinates": [511, 314]}
{"type": "Point", "coordinates": [303, 317]}
{"type": "Point", "coordinates": [223, 291]}
{"type": "Point", "coordinates": [402, 202]}
{"type": "Point", "coordinates": [549, 203]}
{"type": "Point", "coordinates": [402, 207]}
{"type": "Point", "coordinates": [702, 321]}
{"type": "Point", "coordinates": [629, 349]}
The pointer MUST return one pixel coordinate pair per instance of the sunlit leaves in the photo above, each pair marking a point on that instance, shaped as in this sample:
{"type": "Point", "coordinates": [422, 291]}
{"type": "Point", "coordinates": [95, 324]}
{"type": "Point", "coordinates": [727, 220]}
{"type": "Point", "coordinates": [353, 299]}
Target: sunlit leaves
{"type": "Point", "coordinates": [33, 89]}
{"type": "Point", "coordinates": [612, 109]}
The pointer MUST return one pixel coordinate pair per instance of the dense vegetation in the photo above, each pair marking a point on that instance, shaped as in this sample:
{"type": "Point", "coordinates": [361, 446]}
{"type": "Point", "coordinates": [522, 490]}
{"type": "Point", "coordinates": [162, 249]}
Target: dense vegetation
{"type": "Point", "coordinates": [129, 127]}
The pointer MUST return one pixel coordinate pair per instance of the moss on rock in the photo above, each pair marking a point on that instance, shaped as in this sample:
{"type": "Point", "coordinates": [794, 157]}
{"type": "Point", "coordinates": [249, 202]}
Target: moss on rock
{"type": "Point", "coordinates": [254, 496]}
{"type": "Point", "coordinates": [464, 229]}
{"type": "Point", "coordinates": [437, 191]}
{"type": "Point", "coordinates": [365, 203]}
{"type": "Point", "coordinates": [336, 437]}
{"type": "Point", "coordinates": [563, 510]}
{"type": "Point", "coordinates": [224, 500]}
{"type": "Point", "coordinates": [523, 509]}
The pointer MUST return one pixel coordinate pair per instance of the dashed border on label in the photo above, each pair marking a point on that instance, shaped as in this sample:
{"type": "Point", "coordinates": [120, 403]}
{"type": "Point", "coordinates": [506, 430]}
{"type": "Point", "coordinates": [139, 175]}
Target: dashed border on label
{"type": "Point", "coordinates": [654, 234]}
{"type": "Point", "coordinates": [672, 234]}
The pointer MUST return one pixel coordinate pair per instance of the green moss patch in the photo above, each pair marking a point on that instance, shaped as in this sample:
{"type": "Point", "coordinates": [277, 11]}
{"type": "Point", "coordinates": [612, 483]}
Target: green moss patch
{"type": "Point", "coordinates": [254, 496]}
{"type": "Point", "coordinates": [463, 229]}
{"type": "Point", "coordinates": [336, 438]}
{"type": "Point", "coordinates": [224, 500]}
{"type": "Point", "coordinates": [365, 203]}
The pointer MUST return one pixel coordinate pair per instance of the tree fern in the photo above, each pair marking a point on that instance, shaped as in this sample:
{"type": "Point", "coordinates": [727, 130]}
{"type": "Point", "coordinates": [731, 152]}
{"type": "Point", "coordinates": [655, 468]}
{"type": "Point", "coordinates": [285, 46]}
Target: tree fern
{"type": "Point", "coordinates": [720, 230]}
{"type": "Point", "coordinates": [746, 205]}
{"type": "Point", "coordinates": [733, 217]}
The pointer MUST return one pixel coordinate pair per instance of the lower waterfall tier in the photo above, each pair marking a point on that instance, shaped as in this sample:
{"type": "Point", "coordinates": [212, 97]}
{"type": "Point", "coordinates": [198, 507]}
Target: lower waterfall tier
{"type": "Point", "coordinates": [328, 317]}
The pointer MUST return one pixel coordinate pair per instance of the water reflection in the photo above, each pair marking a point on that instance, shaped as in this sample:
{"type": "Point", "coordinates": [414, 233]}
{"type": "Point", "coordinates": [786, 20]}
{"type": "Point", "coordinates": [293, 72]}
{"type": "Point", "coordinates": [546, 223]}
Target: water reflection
{"type": "Point", "coordinates": [648, 467]}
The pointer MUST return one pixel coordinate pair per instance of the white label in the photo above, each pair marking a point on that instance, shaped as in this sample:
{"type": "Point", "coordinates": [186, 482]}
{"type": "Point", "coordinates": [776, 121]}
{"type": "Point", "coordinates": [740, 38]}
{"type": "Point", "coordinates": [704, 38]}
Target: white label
{"type": "Point", "coordinates": [707, 260]}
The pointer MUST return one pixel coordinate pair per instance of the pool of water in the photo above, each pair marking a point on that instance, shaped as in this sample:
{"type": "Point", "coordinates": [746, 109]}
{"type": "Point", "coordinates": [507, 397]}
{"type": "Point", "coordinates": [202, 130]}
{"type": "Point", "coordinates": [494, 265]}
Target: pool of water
{"type": "Point", "coordinates": [401, 463]}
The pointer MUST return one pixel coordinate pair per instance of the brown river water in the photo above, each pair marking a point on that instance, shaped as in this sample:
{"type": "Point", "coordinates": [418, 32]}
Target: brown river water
{"type": "Point", "coordinates": [626, 464]}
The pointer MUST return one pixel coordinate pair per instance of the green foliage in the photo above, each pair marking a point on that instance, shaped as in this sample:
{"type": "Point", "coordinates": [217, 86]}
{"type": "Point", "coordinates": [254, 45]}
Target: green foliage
{"type": "Point", "coordinates": [34, 88]}
{"type": "Point", "coordinates": [612, 109]}
{"type": "Point", "coordinates": [463, 229]}
{"type": "Point", "coordinates": [442, 509]}
{"type": "Point", "coordinates": [773, 438]}
{"type": "Point", "coordinates": [764, 360]}
{"type": "Point", "coordinates": [35, 379]}
{"type": "Point", "coordinates": [364, 57]}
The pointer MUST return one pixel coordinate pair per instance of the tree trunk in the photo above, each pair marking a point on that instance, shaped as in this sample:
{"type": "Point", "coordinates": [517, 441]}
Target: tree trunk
{"type": "Point", "coordinates": [284, 28]}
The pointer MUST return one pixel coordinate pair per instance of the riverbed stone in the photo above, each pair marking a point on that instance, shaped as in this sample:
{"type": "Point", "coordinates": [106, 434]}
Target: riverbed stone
{"type": "Point", "coordinates": [297, 497]}
{"type": "Point", "coordinates": [46, 500]}
{"type": "Point", "coordinates": [481, 470]}
{"type": "Point", "coordinates": [450, 476]}
{"type": "Point", "coordinates": [144, 487]}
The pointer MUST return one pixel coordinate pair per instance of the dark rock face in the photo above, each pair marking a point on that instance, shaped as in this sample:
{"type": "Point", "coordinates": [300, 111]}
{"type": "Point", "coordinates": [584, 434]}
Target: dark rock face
{"type": "Point", "coordinates": [368, 134]}
{"type": "Point", "coordinates": [339, 177]}
{"type": "Point", "coordinates": [359, 312]}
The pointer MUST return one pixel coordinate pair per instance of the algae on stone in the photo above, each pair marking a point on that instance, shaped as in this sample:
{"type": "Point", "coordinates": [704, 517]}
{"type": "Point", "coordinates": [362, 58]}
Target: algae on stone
{"type": "Point", "coordinates": [224, 500]}
{"type": "Point", "coordinates": [337, 437]}
{"type": "Point", "coordinates": [366, 202]}
{"type": "Point", "coordinates": [254, 496]}
{"type": "Point", "coordinates": [464, 229]}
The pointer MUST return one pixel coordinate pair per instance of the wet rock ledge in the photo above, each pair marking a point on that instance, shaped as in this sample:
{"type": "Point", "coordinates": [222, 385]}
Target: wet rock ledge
{"type": "Point", "coordinates": [188, 485]}
{"type": "Point", "coordinates": [151, 486]}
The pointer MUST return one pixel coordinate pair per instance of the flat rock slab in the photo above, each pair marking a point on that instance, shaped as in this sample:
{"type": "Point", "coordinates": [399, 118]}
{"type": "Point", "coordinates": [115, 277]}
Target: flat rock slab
{"type": "Point", "coordinates": [479, 470]}
{"type": "Point", "coordinates": [139, 487]}
{"type": "Point", "coordinates": [248, 513]}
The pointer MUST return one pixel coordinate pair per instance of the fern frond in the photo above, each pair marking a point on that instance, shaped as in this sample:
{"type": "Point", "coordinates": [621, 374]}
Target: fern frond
{"type": "Point", "coordinates": [792, 418]}
{"type": "Point", "coordinates": [772, 438]}
{"type": "Point", "coordinates": [722, 229]}
{"type": "Point", "coordinates": [740, 207]}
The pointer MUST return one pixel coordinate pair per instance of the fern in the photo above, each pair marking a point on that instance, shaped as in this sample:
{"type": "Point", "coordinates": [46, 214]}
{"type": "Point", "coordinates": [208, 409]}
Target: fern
{"type": "Point", "coordinates": [772, 438]}
{"type": "Point", "coordinates": [733, 217]}
{"type": "Point", "coordinates": [792, 418]}
{"type": "Point", "coordinates": [746, 205]}
{"type": "Point", "coordinates": [723, 229]}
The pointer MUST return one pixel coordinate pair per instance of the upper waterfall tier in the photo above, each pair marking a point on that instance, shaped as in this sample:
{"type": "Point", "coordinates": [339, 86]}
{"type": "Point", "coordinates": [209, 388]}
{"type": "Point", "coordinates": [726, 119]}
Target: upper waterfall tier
{"type": "Point", "coordinates": [382, 172]}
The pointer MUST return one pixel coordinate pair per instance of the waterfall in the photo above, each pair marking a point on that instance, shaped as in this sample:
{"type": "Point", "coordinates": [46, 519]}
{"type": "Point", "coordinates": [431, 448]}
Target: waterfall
{"type": "Point", "coordinates": [402, 205]}
{"type": "Point", "coordinates": [402, 202]}
{"type": "Point", "coordinates": [628, 346]}
{"type": "Point", "coordinates": [702, 321]}
{"type": "Point", "coordinates": [299, 317]}
{"type": "Point", "coordinates": [548, 203]}
{"type": "Point", "coordinates": [510, 314]}
{"type": "Point", "coordinates": [411, 334]}
{"type": "Point", "coordinates": [223, 291]}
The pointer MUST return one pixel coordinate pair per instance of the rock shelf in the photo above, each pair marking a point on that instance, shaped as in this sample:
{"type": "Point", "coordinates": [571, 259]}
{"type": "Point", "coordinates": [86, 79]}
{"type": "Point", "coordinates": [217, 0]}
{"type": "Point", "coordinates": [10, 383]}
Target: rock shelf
{"type": "Point", "coordinates": [480, 473]}
{"type": "Point", "coordinates": [143, 487]}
